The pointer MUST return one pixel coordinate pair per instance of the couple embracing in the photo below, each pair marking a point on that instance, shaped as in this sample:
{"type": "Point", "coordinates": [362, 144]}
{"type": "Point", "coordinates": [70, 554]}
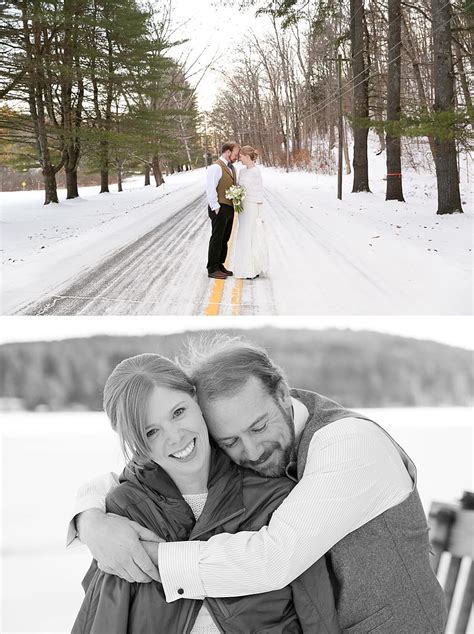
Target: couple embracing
{"type": "Point", "coordinates": [247, 506]}
{"type": "Point", "coordinates": [250, 252]}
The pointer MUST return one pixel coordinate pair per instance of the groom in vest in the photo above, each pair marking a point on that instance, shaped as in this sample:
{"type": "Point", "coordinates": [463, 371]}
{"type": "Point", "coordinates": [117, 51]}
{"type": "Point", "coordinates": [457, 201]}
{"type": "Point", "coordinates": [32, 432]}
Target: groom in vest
{"type": "Point", "coordinates": [220, 176]}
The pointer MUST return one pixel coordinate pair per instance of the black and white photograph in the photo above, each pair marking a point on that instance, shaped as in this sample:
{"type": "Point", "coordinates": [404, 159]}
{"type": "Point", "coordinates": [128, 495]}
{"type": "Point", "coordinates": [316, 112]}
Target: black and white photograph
{"type": "Point", "coordinates": [194, 475]}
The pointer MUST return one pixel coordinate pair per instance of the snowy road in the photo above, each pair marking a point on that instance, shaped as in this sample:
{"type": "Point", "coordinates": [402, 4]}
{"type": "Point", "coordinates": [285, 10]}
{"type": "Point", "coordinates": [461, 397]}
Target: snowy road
{"type": "Point", "coordinates": [144, 252]}
{"type": "Point", "coordinates": [161, 273]}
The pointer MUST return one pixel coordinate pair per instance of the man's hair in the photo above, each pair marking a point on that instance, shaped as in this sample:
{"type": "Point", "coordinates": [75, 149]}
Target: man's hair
{"type": "Point", "coordinates": [126, 397]}
{"type": "Point", "coordinates": [219, 366]}
{"type": "Point", "coordinates": [228, 145]}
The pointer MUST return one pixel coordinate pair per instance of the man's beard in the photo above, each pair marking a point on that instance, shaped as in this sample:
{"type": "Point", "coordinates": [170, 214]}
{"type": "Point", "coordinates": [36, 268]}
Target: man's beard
{"type": "Point", "coordinates": [275, 468]}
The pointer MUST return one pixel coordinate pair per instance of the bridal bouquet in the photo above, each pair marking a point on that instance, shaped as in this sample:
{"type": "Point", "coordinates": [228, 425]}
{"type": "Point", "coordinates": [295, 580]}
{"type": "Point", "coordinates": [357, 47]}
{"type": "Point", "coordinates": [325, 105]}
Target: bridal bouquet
{"type": "Point", "coordinates": [236, 193]}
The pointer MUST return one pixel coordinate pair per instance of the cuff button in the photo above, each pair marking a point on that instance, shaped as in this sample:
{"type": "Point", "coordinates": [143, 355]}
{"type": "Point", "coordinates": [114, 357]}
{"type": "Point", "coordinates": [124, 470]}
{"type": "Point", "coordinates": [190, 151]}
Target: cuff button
{"type": "Point", "coordinates": [180, 591]}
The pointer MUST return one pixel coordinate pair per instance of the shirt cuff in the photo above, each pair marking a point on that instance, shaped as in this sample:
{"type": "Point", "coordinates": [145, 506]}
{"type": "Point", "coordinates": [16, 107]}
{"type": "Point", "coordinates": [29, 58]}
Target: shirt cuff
{"type": "Point", "coordinates": [178, 565]}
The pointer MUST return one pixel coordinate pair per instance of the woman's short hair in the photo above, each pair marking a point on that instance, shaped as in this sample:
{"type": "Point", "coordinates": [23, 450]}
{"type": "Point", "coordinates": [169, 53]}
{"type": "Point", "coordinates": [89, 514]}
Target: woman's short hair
{"type": "Point", "coordinates": [221, 365]}
{"type": "Point", "coordinates": [126, 396]}
{"type": "Point", "coordinates": [248, 150]}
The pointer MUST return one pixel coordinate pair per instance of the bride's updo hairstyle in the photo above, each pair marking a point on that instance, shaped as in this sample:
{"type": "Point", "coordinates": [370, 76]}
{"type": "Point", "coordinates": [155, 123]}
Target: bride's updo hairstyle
{"type": "Point", "coordinates": [126, 397]}
{"type": "Point", "coordinates": [249, 151]}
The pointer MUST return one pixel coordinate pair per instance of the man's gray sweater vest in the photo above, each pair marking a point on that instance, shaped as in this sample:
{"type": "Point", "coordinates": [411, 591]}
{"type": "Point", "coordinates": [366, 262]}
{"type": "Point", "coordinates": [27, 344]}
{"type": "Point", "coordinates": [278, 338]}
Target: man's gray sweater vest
{"type": "Point", "coordinates": [380, 572]}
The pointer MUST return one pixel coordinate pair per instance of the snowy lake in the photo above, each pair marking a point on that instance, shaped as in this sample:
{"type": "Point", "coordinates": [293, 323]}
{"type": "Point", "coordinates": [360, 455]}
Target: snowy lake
{"type": "Point", "coordinates": [46, 456]}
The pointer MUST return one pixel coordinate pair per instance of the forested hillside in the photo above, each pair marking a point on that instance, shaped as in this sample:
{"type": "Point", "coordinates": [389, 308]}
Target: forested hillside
{"type": "Point", "coordinates": [357, 369]}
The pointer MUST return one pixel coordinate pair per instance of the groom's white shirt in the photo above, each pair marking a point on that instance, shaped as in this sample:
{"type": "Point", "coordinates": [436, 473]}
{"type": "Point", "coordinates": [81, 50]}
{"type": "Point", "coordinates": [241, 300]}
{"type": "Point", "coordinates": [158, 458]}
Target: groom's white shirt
{"type": "Point", "coordinates": [353, 473]}
{"type": "Point", "coordinates": [214, 174]}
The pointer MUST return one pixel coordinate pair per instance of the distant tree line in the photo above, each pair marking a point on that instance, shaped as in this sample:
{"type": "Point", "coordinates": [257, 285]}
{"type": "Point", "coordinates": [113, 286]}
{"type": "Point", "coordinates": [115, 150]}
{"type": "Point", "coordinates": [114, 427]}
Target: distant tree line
{"type": "Point", "coordinates": [362, 369]}
{"type": "Point", "coordinates": [406, 72]}
{"type": "Point", "coordinates": [92, 84]}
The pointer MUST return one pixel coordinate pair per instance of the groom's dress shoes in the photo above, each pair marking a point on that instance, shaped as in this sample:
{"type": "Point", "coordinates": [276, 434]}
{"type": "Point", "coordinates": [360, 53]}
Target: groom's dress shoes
{"type": "Point", "coordinates": [217, 275]}
{"type": "Point", "coordinates": [224, 270]}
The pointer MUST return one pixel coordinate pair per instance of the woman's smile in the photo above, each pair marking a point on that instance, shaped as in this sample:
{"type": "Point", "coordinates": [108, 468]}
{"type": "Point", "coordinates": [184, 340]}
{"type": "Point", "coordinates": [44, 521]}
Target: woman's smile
{"type": "Point", "coordinates": [187, 453]}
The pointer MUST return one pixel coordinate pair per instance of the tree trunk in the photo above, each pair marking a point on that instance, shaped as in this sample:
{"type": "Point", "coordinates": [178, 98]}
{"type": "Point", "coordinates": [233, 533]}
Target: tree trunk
{"type": "Point", "coordinates": [104, 167]}
{"type": "Point", "coordinates": [447, 176]}
{"type": "Point", "coordinates": [70, 71]}
{"type": "Point", "coordinates": [360, 109]}
{"type": "Point", "coordinates": [394, 189]}
{"type": "Point", "coordinates": [34, 51]}
{"type": "Point", "coordinates": [464, 82]}
{"type": "Point", "coordinates": [50, 186]}
{"type": "Point", "coordinates": [119, 179]}
{"type": "Point", "coordinates": [71, 183]}
{"type": "Point", "coordinates": [159, 180]}
{"type": "Point", "coordinates": [147, 174]}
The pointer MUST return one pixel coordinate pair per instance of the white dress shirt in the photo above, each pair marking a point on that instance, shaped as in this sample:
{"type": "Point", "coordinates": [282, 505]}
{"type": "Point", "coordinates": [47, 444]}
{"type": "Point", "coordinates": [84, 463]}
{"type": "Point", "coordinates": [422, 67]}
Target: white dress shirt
{"type": "Point", "coordinates": [354, 472]}
{"type": "Point", "coordinates": [214, 173]}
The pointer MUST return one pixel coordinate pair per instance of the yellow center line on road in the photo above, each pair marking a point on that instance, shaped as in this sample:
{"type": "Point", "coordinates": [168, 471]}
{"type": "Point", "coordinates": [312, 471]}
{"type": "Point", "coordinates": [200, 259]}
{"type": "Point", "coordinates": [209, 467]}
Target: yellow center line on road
{"type": "Point", "coordinates": [215, 298]}
{"type": "Point", "coordinates": [236, 296]}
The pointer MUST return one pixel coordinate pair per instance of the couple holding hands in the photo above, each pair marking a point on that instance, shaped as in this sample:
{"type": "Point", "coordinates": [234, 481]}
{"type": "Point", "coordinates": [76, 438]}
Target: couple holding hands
{"type": "Point", "coordinates": [248, 506]}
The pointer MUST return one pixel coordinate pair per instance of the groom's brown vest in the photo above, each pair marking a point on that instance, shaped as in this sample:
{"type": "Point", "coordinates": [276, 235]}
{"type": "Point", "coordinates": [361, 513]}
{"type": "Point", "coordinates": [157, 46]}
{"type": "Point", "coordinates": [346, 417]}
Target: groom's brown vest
{"type": "Point", "coordinates": [380, 572]}
{"type": "Point", "coordinates": [226, 181]}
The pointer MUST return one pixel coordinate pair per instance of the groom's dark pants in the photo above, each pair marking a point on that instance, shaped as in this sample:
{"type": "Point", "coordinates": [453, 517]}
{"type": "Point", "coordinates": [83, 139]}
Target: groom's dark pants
{"type": "Point", "coordinates": [221, 230]}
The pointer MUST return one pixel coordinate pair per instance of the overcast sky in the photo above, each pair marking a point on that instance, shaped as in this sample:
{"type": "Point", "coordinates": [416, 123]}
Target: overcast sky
{"type": "Point", "coordinates": [455, 331]}
{"type": "Point", "coordinates": [215, 29]}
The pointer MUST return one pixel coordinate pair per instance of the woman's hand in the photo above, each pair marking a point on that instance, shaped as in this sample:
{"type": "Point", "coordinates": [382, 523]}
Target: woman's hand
{"type": "Point", "coordinates": [115, 542]}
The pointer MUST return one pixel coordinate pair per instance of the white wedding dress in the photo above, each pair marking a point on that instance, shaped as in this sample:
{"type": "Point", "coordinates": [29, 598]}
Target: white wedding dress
{"type": "Point", "coordinates": [251, 250]}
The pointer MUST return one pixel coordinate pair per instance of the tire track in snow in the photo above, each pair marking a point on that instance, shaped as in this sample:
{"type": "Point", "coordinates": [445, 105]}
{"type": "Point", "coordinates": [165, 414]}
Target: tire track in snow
{"type": "Point", "coordinates": [162, 272]}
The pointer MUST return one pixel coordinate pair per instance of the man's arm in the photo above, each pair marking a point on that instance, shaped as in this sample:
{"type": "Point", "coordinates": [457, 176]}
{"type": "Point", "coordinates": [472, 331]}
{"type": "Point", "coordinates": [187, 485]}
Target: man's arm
{"type": "Point", "coordinates": [212, 180]}
{"type": "Point", "coordinates": [90, 496]}
{"type": "Point", "coordinates": [114, 541]}
{"type": "Point", "coordinates": [353, 473]}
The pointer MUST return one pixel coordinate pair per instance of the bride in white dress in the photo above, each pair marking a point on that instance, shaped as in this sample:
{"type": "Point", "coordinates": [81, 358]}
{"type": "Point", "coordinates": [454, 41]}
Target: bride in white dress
{"type": "Point", "coordinates": [251, 251]}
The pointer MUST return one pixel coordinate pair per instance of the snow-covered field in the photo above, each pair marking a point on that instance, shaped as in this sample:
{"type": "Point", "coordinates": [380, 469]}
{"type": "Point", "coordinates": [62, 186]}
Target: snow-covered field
{"type": "Point", "coordinates": [361, 255]}
{"type": "Point", "coordinates": [46, 456]}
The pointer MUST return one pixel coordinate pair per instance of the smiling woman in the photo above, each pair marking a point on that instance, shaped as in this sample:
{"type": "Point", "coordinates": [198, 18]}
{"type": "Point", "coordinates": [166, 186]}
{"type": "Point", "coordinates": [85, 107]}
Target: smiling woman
{"type": "Point", "coordinates": [151, 404]}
